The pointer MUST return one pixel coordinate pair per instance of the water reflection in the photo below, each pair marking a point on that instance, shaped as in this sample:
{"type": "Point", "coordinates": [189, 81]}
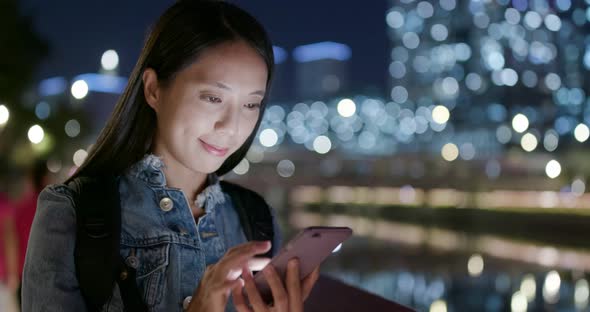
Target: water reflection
{"type": "Point", "coordinates": [436, 282]}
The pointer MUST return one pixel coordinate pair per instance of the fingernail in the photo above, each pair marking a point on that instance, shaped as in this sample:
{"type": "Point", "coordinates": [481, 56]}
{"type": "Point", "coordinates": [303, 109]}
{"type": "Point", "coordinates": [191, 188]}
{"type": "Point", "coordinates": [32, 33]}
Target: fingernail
{"type": "Point", "coordinates": [246, 272]}
{"type": "Point", "coordinates": [263, 243]}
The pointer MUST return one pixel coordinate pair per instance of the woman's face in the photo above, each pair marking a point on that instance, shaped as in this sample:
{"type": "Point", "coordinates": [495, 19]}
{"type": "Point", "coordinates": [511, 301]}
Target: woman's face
{"type": "Point", "coordinates": [210, 108]}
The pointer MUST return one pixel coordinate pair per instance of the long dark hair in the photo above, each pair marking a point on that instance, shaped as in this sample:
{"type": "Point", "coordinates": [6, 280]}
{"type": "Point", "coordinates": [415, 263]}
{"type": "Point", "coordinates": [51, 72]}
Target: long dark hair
{"type": "Point", "coordinates": [179, 36]}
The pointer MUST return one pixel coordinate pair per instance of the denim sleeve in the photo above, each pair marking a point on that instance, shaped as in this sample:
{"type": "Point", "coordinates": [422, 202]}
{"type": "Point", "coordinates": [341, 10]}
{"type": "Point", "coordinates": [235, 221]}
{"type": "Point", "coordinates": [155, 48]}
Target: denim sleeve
{"type": "Point", "coordinates": [49, 275]}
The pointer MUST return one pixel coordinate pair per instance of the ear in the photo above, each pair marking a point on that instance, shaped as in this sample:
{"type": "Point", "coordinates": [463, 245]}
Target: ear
{"type": "Point", "coordinates": [151, 90]}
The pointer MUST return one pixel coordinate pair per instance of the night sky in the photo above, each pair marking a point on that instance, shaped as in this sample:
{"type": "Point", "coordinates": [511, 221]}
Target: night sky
{"type": "Point", "coordinates": [80, 31]}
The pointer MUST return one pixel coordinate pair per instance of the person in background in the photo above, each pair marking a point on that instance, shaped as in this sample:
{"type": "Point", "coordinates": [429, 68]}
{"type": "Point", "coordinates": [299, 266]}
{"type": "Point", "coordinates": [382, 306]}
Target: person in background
{"type": "Point", "coordinates": [9, 274]}
{"type": "Point", "coordinates": [36, 180]}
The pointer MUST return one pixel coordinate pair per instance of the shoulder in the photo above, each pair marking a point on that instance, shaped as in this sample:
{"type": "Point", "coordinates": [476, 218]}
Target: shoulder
{"type": "Point", "coordinates": [55, 202]}
{"type": "Point", "coordinates": [59, 194]}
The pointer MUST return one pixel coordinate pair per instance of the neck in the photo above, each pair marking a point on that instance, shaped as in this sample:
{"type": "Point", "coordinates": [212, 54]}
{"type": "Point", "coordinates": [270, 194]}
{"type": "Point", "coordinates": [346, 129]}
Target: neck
{"type": "Point", "coordinates": [191, 183]}
{"type": "Point", "coordinates": [179, 176]}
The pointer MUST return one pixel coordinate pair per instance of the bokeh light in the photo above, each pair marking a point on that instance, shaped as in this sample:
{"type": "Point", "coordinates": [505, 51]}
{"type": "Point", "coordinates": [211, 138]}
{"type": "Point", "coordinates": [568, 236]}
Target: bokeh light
{"type": "Point", "coordinates": [450, 152]}
{"type": "Point", "coordinates": [36, 134]}
{"type": "Point", "coordinates": [346, 108]}
{"type": "Point", "coordinates": [520, 123]}
{"type": "Point", "coordinates": [475, 265]}
{"type": "Point", "coordinates": [79, 89]}
{"type": "Point", "coordinates": [553, 169]}
{"type": "Point", "coordinates": [4, 115]}
{"type": "Point", "coordinates": [109, 60]}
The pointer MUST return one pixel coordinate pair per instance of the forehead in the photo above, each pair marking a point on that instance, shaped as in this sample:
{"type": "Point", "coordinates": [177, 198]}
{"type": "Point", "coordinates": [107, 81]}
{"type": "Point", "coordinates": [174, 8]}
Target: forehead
{"type": "Point", "coordinates": [233, 63]}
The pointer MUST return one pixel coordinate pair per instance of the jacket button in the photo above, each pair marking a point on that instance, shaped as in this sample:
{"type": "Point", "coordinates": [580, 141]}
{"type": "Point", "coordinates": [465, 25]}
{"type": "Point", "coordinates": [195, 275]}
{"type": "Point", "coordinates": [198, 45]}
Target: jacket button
{"type": "Point", "coordinates": [124, 274]}
{"type": "Point", "coordinates": [166, 204]}
{"type": "Point", "coordinates": [132, 262]}
{"type": "Point", "coordinates": [186, 302]}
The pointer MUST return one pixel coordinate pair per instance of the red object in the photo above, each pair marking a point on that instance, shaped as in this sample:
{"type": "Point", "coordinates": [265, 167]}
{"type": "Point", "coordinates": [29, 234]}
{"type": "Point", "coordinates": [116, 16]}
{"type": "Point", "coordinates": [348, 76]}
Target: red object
{"type": "Point", "coordinates": [5, 214]}
{"type": "Point", "coordinates": [23, 217]}
{"type": "Point", "coordinates": [330, 295]}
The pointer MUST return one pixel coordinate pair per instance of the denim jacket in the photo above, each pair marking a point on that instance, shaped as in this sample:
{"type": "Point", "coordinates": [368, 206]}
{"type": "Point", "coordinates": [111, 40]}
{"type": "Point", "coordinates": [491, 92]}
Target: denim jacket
{"type": "Point", "coordinates": [159, 238]}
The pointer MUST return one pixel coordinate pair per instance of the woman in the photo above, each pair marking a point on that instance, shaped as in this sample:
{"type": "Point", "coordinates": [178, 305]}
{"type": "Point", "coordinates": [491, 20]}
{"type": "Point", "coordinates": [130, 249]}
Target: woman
{"type": "Point", "coordinates": [188, 115]}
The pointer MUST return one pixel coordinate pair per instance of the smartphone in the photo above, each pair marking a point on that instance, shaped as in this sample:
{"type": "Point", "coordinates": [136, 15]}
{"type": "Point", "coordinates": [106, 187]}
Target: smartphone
{"type": "Point", "coordinates": [312, 246]}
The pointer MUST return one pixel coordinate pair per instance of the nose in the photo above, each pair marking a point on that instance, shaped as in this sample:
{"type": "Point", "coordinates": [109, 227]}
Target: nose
{"type": "Point", "coordinates": [229, 121]}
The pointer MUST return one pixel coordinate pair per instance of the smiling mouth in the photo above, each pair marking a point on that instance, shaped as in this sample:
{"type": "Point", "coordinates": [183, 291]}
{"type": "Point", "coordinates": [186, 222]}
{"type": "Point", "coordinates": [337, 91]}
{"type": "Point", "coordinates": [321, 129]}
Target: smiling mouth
{"type": "Point", "coordinates": [217, 151]}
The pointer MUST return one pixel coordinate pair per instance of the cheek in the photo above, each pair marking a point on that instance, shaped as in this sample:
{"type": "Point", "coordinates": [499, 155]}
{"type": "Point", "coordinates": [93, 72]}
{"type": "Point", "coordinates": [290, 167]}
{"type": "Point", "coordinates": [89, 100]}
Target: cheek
{"type": "Point", "coordinates": [246, 128]}
{"type": "Point", "coordinates": [193, 121]}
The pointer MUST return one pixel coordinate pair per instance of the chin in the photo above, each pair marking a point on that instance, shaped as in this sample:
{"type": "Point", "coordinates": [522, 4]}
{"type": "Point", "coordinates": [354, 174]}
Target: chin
{"type": "Point", "coordinates": [206, 166]}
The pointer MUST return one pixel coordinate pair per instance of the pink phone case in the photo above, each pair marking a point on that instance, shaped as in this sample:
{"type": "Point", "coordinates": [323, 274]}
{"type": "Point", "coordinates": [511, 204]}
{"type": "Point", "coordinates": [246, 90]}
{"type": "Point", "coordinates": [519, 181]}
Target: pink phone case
{"type": "Point", "coordinates": [312, 246]}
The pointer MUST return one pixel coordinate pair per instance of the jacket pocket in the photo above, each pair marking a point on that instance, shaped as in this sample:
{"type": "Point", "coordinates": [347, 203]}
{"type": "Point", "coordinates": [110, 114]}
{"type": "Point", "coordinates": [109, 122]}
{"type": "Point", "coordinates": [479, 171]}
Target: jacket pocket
{"type": "Point", "coordinates": [150, 264]}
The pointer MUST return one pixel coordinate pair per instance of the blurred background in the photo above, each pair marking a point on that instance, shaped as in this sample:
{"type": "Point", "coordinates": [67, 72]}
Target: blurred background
{"type": "Point", "coordinates": [451, 135]}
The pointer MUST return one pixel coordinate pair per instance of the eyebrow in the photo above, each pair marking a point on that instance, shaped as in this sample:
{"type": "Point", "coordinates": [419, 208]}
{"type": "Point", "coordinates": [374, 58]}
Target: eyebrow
{"type": "Point", "coordinates": [225, 87]}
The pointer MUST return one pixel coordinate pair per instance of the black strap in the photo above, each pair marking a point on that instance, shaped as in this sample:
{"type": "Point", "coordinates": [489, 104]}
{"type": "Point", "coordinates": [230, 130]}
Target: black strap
{"type": "Point", "coordinates": [130, 295]}
{"type": "Point", "coordinates": [98, 262]}
{"type": "Point", "coordinates": [254, 213]}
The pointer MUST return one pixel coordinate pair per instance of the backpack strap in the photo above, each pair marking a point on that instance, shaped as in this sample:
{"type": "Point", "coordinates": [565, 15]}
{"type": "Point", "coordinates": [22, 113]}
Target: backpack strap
{"type": "Point", "coordinates": [254, 213]}
{"type": "Point", "coordinates": [98, 262]}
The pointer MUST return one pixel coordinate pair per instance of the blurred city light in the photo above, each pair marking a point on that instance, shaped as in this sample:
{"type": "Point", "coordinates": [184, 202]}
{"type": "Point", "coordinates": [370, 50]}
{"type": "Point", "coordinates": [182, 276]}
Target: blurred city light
{"type": "Point", "coordinates": [578, 187]}
{"type": "Point", "coordinates": [79, 157]}
{"type": "Point", "coordinates": [42, 110]}
{"type": "Point", "coordinates": [519, 302]}
{"type": "Point", "coordinates": [438, 306]}
{"type": "Point", "coordinates": [450, 152]}
{"type": "Point", "coordinates": [551, 140]}
{"type": "Point", "coordinates": [255, 154]}
{"type": "Point", "coordinates": [72, 128]}
{"type": "Point", "coordinates": [520, 123]}
{"type": "Point", "coordinates": [285, 168]}
{"type": "Point", "coordinates": [553, 169]}
{"type": "Point", "coordinates": [475, 265]}
{"type": "Point", "coordinates": [504, 134]}
{"type": "Point", "coordinates": [581, 133]}
{"type": "Point", "coordinates": [100, 83]}
{"type": "Point", "coordinates": [54, 165]}
{"type": "Point", "coordinates": [551, 287]}
{"type": "Point", "coordinates": [52, 86]}
{"type": "Point", "coordinates": [322, 144]}
{"type": "Point", "coordinates": [441, 114]}
{"type": "Point", "coordinates": [242, 168]}
{"type": "Point", "coordinates": [79, 89]}
{"type": "Point", "coordinates": [346, 108]}
{"type": "Point", "coordinates": [36, 134]}
{"type": "Point", "coordinates": [322, 50]}
{"type": "Point", "coordinates": [4, 115]}
{"type": "Point", "coordinates": [268, 138]}
{"type": "Point", "coordinates": [109, 60]}
{"type": "Point", "coordinates": [529, 142]}
{"type": "Point", "coordinates": [581, 294]}
{"type": "Point", "coordinates": [280, 54]}
{"type": "Point", "coordinates": [528, 287]}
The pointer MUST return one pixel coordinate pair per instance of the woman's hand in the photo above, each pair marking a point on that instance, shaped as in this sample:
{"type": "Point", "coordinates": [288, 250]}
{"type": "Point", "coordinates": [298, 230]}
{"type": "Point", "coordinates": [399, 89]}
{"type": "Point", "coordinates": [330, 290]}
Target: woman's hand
{"type": "Point", "coordinates": [218, 280]}
{"type": "Point", "coordinates": [284, 300]}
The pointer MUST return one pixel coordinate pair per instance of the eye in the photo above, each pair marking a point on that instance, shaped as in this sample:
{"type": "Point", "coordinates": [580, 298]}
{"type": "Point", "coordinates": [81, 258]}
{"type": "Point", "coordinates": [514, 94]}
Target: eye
{"type": "Point", "coordinates": [211, 98]}
{"type": "Point", "coordinates": [253, 106]}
